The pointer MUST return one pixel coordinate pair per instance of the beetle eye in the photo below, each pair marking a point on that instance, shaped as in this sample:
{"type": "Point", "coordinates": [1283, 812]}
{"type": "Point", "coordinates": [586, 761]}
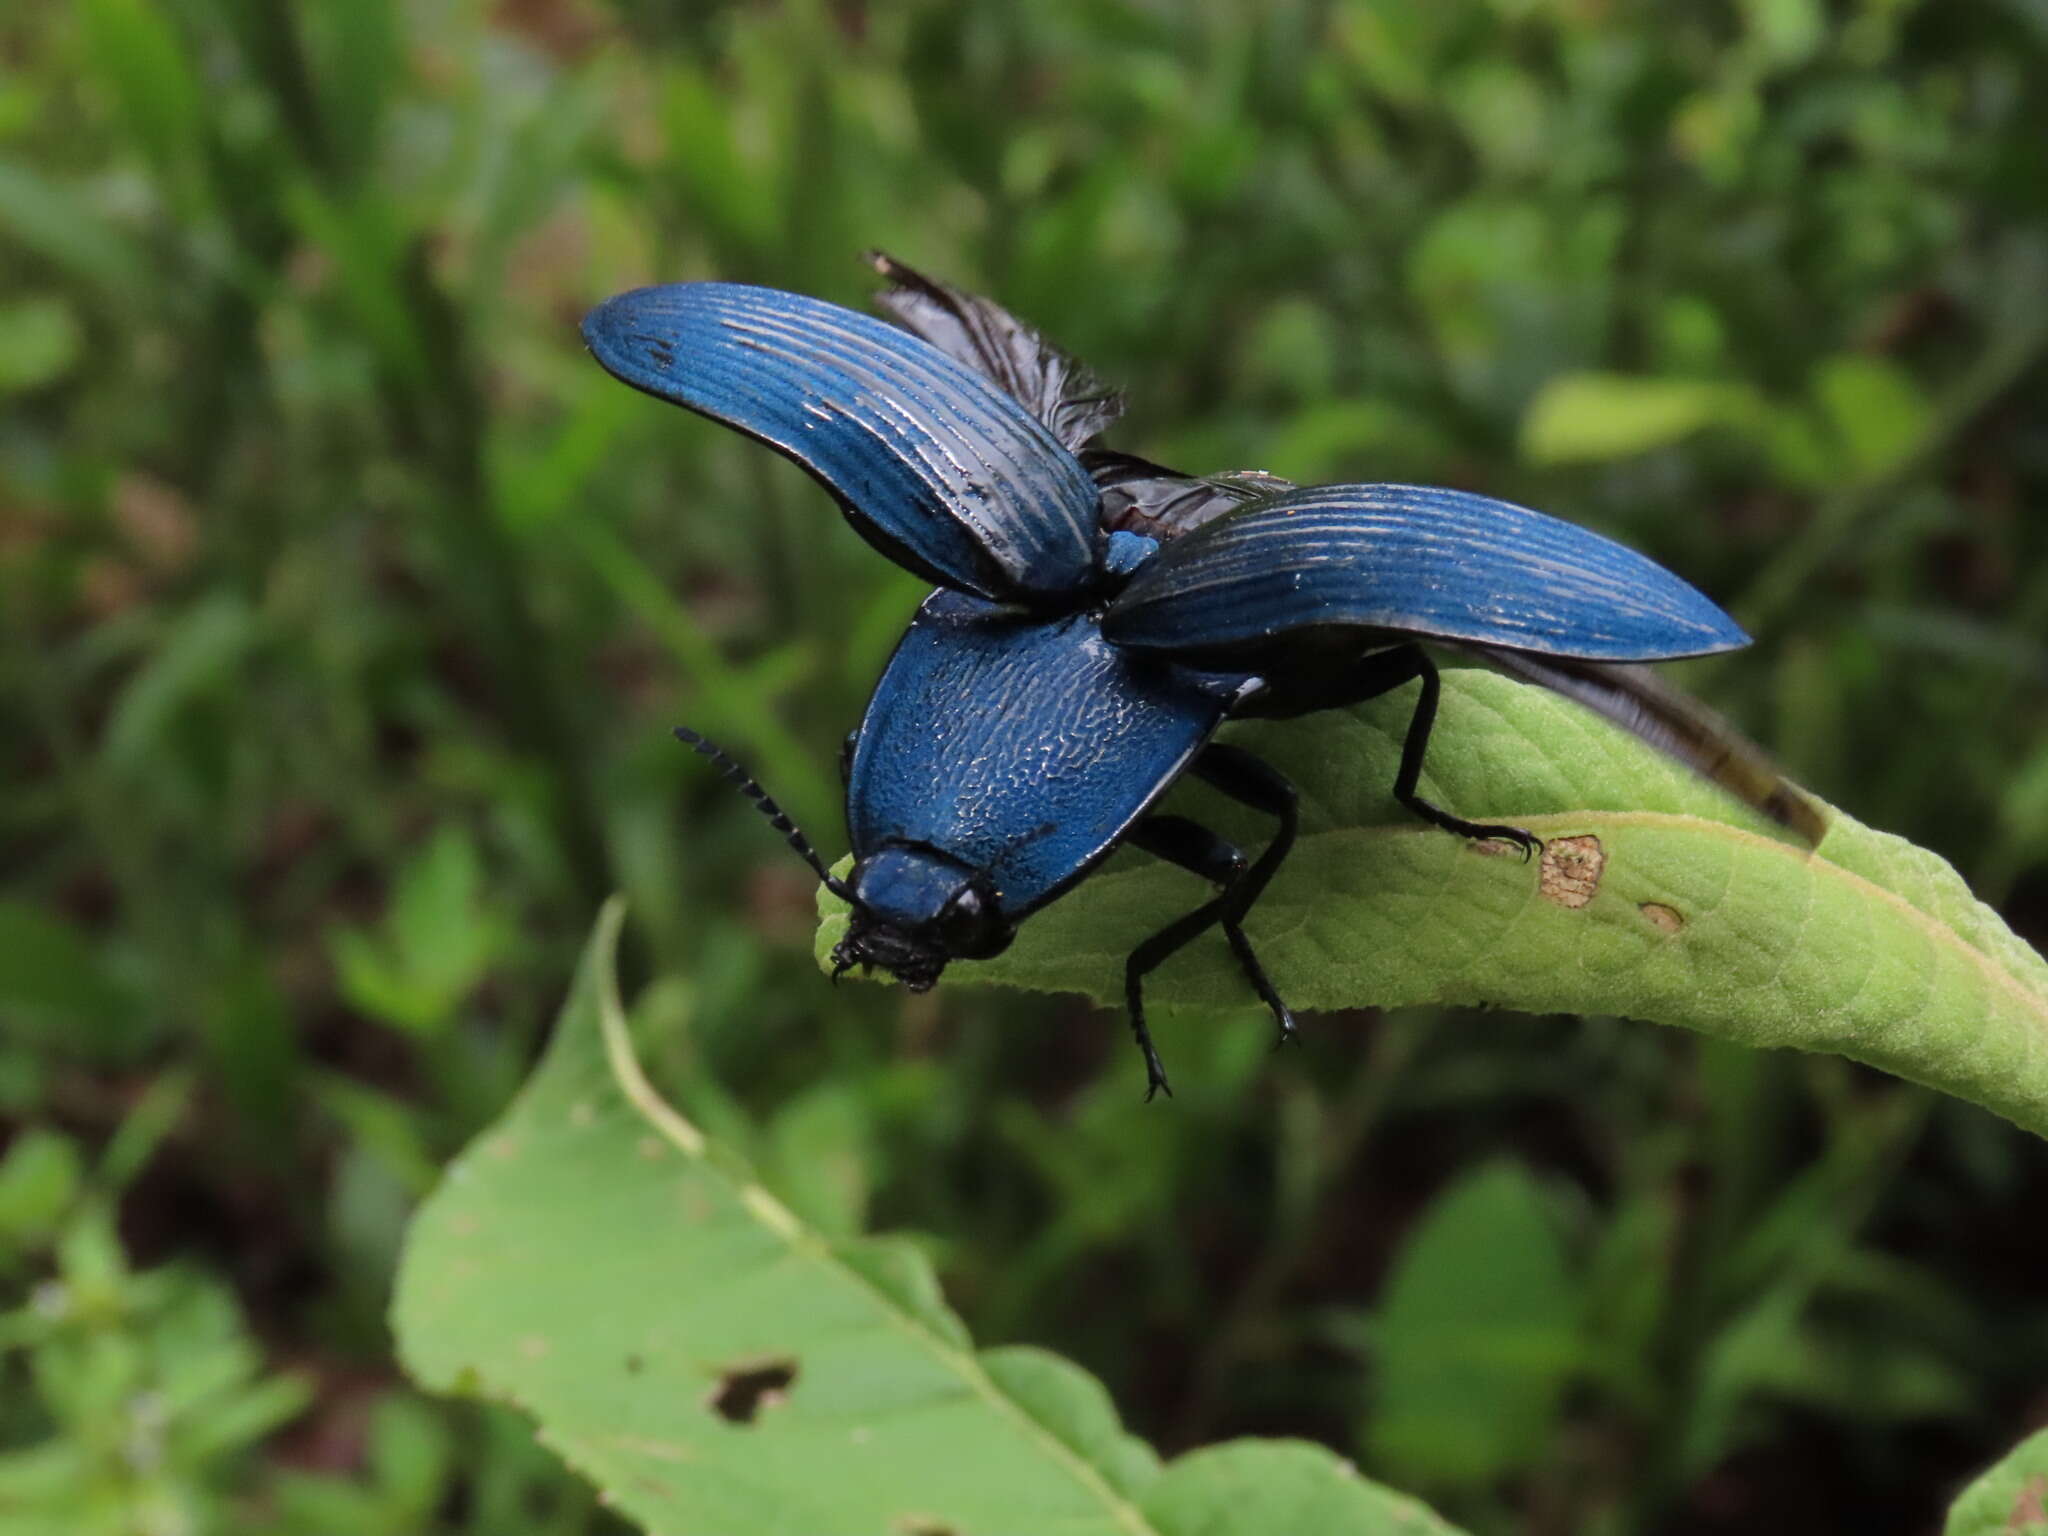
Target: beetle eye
{"type": "Point", "coordinates": [963, 913]}
{"type": "Point", "coordinates": [970, 925]}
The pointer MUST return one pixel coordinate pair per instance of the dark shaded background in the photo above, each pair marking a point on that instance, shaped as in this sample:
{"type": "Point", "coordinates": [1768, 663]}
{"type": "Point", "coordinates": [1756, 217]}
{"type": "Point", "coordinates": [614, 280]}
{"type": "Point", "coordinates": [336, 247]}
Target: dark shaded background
{"type": "Point", "coordinates": [345, 607]}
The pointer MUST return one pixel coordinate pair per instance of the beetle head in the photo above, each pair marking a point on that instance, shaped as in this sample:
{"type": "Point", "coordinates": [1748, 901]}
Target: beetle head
{"type": "Point", "coordinates": [915, 909]}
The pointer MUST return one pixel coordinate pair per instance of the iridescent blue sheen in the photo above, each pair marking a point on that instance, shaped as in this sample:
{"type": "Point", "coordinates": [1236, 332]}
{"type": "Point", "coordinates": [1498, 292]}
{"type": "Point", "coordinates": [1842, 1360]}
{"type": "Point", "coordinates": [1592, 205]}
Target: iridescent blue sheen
{"type": "Point", "coordinates": [937, 467]}
{"type": "Point", "coordinates": [1021, 747]}
{"type": "Point", "coordinates": [1414, 560]}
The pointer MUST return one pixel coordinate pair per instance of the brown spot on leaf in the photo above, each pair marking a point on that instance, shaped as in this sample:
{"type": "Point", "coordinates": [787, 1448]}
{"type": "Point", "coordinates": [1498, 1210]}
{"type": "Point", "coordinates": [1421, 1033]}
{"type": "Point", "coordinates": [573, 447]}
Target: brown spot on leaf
{"type": "Point", "coordinates": [1661, 916]}
{"type": "Point", "coordinates": [744, 1390]}
{"type": "Point", "coordinates": [920, 1525]}
{"type": "Point", "coordinates": [1571, 870]}
{"type": "Point", "coordinates": [2030, 1509]}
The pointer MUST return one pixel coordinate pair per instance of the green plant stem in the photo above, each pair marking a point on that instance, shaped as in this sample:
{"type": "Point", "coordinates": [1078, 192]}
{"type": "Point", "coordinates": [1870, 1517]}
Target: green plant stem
{"type": "Point", "coordinates": [119, 838]}
{"type": "Point", "coordinates": [1873, 1143]}
{"type": "Point", "coordinates": [1232, 1340]}
{"type": "Point", "coordinates": [445, 421]}
{"type": "Point", "coordinates": [735, 694]}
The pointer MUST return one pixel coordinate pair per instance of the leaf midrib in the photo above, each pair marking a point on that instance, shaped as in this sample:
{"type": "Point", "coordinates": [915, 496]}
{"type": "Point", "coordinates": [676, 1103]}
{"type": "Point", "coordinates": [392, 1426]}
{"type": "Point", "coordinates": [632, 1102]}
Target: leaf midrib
{"type": "Point", "coordinates": [2033, 1003]}
{"type": "Point", "coordinates": [690, 1141]}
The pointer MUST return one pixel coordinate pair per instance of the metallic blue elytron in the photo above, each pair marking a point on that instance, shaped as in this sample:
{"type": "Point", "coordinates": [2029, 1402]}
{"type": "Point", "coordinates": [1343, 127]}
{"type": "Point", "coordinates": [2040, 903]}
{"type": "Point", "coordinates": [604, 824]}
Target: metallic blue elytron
{"type": "Point", "coordinates": [1098, 616]}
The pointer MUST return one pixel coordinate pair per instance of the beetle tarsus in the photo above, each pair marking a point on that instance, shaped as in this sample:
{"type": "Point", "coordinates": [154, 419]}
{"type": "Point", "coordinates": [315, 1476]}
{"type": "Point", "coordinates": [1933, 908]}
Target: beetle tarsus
{"type": "Point", "coordinates": [1384, 671]}
{"type": "Point", "coordinates": [1255, 973]}
{"type": "Point", "coordinates": [1286, 1033]}
{"type": "Point", "coordinates": [1154, 1070]}
{"type": "Point", "coordinates": [1478, 831]}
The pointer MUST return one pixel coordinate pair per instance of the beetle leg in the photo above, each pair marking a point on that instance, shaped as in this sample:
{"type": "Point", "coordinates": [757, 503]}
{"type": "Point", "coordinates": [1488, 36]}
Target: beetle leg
{"type": "Point", "coordinates": [1384, 671]}
{"type": "Point", "coordinates": [1251, 781]}
{"type": "Point", "coordinates": [846, 758]}
{"type": "Point", "coordinates": [1412, 748]}
{"type": "Point", "coordinates": [1196, 849]}
{"type": "Point", "coordinates": [1145, 959]}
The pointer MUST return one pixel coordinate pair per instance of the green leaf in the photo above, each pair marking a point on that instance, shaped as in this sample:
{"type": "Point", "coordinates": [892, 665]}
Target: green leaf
{"type": "Point", "coordinates": [1784, 33]}
{"type": "Point", "coordinates": [361, 53]}
{"type": "Point", "coordinates": [54, 984]}
{"type": "Point", "coordinates": [1278, 1486]}
{"type": "Point", "coordinates": [821, 1146]}
{"type": "Point", "coordinates": [410, 1453]}
{"type": "Point", "coordinates": [689, 1343]}
{"type": "Point", "coordinates": [1877, 410]}
{"type": "Point", "coordinates": [195, 655]}
{"type": "Point", "coordinates": [1333, 438]}
{"type": "Point", "coordinates": [1600, 416]}
{"type": "Point", "coordinates": [2009, 1500]}
{"type": "Point", "coordinates": [1656, 898]}
{"type": "Point", "coordinates": [39, 343]}
{"type": "Point", "coordinates": [39, 1178]}
{"type": "Point", "coordinates": [54, 220]}
{"type": "Point", "coordinates": [142, 1131]}
{"type": "Point", "coordinates": [133, 49]}
{"type": "Point", "coordinates": [1476, 1335]}
{"type": "Point", "coordinates": [367, 239]}
{"type": "Point", "coordinates": [435, 946]}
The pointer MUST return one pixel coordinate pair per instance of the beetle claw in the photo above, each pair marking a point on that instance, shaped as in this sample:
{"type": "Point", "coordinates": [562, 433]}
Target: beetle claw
{"type": "Point", "coordinates": [1527, 841]}
{"type": "Point", "coordinates": [1288, 1034]}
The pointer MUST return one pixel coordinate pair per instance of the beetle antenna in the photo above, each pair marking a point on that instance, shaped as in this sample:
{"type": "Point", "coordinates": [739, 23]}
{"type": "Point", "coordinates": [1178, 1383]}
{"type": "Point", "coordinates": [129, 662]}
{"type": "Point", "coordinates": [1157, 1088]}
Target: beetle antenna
{"type": "Point", "coordinates": [778, 818]}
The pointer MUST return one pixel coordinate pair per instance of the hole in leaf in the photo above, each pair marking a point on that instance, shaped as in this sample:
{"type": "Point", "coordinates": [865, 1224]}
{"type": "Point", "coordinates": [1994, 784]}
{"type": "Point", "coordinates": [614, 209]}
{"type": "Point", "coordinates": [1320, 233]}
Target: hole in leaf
{"type": "Point", "coordinates": [1571, 869]}
{"type": "Point", "coordinates": [744, 1390]}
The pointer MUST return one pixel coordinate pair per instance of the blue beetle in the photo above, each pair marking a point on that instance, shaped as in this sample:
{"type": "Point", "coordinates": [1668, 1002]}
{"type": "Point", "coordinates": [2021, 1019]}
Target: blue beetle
{"type": "Point", "coordinates": [1098, 616]}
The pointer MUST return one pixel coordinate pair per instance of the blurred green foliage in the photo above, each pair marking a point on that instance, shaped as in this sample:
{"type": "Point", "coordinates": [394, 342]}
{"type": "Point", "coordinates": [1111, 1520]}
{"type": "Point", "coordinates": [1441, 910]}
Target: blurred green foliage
{"type": "Point", "coordinates": [344, 606]}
